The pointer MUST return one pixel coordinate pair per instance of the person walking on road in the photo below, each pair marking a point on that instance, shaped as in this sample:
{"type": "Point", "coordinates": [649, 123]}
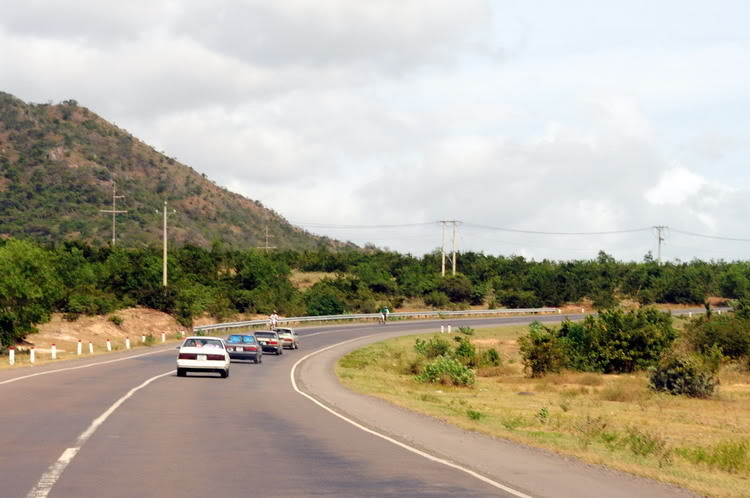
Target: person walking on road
{"type": "Point", "coordinates": [274, 319]}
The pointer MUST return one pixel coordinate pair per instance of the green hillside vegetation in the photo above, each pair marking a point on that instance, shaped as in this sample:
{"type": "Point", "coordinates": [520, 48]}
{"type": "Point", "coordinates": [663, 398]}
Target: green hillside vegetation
{"type": "Point", "coordinates": [57, 164]}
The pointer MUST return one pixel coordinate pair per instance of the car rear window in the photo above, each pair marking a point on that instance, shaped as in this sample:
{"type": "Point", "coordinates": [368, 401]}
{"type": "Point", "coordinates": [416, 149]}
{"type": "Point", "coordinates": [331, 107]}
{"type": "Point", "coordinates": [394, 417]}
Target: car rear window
{"type": "Point", "coordinates": [203, 343]}
{"type": "Point", "coordinates": [240, 339]}
{"type": "Point", "coordinates": [265, 334]}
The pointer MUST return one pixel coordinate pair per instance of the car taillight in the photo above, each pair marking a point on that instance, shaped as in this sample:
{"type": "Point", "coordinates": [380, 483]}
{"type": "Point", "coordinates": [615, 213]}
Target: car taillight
{"type": "Point", "coordinates": [215, 357]}
{"type": "Point", "coordinates": [272, 342]}
{"type": "Point", "coordinates": [188, 356]}
{"type": "Point", "coordinates": [251, 348]}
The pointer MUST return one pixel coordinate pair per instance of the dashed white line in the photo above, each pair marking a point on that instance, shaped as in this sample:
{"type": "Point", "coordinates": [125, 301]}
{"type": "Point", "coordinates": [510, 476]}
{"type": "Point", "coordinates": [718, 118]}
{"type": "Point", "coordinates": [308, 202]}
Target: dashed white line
{"type": "Point", "coordinates": [390, 439]}
{"type": "Point", "coordinates": [49, 478]}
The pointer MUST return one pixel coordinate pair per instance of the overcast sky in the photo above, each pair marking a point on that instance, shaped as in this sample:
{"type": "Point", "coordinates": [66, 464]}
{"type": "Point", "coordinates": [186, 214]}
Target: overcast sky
{"type": "Point", "coordinates": [576, 116]}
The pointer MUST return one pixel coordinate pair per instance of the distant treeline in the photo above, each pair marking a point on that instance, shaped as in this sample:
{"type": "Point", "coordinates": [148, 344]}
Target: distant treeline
{"type": "Point", "coordinates": [77, 279]}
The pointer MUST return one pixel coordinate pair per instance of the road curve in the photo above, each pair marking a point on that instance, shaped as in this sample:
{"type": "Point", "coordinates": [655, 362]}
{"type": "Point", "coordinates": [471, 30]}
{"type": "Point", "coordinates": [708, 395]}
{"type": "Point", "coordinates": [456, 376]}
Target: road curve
{"type": "Point", "coordinates": [250, 434]}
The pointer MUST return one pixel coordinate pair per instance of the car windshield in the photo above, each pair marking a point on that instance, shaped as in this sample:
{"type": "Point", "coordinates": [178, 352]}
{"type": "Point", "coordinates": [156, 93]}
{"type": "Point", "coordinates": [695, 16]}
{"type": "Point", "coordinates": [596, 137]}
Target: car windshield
{"type": "Point", "coordinates": [265, 334]}
{"type": "Point", "coordinates": [203, 343]}
{"type": "Point", "coordinates": [240, 339]}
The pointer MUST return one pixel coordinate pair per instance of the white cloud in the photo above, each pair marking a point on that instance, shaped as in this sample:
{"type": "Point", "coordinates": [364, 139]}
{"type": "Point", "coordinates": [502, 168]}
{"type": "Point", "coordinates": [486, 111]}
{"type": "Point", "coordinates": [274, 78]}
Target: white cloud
{"type": "Point", "coordinates": [408, 111]}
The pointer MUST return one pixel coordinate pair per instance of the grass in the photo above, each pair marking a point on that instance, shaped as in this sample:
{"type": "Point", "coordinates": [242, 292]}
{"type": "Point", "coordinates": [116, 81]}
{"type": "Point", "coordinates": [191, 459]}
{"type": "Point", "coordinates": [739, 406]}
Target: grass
{"type": "Point", "coordinates": [615, 420]}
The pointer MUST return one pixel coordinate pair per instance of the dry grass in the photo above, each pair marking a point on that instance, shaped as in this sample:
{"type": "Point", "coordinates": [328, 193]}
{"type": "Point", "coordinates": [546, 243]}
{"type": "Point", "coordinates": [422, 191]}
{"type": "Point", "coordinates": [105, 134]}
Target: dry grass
{"type": "Point", "coordinates": [305, 279]}
{"type": "Point", "coordinates": [611, 419]}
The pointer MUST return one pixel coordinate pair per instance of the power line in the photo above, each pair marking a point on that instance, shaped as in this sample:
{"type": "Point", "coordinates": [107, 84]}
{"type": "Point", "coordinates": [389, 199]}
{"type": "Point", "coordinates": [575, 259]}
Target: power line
{"type": "Point", "coordinates": [717, 237]}
{"type": "Point", "coordinates": [539, 232]}
{"type": "Point", "coordinates": [324, 225]}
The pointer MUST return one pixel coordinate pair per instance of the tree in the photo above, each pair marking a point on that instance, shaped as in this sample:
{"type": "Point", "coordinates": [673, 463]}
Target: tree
{"type": "Point", "coordinates": [29, 288]}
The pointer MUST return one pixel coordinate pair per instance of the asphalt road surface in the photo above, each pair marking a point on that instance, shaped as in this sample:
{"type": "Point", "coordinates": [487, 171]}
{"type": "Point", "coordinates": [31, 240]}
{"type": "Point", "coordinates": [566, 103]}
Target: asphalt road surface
{"type": "Point", "coordinates": [132, 428]}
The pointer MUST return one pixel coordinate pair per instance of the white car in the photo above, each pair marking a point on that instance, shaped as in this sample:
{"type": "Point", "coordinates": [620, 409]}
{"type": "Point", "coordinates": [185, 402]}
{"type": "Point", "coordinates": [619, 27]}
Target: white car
{"type": "Point", "coordinates": [203, 354]}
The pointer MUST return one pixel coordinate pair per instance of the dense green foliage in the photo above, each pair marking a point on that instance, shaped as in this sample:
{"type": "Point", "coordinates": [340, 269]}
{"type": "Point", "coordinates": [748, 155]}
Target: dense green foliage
{"type": "Point", "coordinates": [447, 370]}
{"type": "Point", "coordinates": [689, 374]}
{"type": "Point", "coordinates": [729, 333]}
{"type": "Point", "coordinates": [611, 342]}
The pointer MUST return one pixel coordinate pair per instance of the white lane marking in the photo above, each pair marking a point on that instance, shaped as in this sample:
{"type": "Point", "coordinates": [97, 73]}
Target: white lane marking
{"type": "Point", "coordinates": [55, 470]}
{"type": "Point", "coordinates": [82, 366]}
{"type": "Point", "coordinates": [390, 439]}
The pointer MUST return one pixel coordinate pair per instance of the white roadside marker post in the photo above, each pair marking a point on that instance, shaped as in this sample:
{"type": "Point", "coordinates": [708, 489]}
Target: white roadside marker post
{"type": "Point", "coordinates": [690, 314]}
{"type": "Point", "coordinates": [442, 329]}
{"type": "Point", "coordinates": [582, 310]}
{"type": "Point", "coordinates": [143, 338]}
{"type": "Point", "coordinates": [109, 345]}
{"type": "Point", "coordinates": [163, 337]}
{"type": "Point", "coordinates": [12, 355]}
{"type": "Point", "coordinates": [559, 311]}
{"type": "Point", "coordinates": [449, 329]}
{"type": "Point", "coordinates": [91, 347]}
{"type": "Point", "coordinates": [127, 343]}
{"type": "Point", "coordinates": [54, 352]}
{"type": "Point", "coordinates": [32, 355]}
{"type": "Point", "coordinates": [80, 347]}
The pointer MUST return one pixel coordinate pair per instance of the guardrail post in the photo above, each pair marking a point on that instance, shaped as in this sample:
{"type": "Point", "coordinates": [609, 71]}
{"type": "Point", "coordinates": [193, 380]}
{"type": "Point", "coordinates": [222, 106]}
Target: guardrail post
{"type": "Point", "coordinates": [32, 355]}
{"type": "Point", "coordinates": [109, 345]}
{"type": "Point", "coordinates": [79, 348]}
{"type": "Point", "coordinates": [12, 355]}
{"type": "Point", "coordinates": [54, 352]}
{"type": "Point", "coordinates": [127, 343]}
{"type": "Point", "coordinates": [91, 347]}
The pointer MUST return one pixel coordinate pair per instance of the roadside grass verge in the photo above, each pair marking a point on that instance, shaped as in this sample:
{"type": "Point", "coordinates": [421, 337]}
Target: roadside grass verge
{"type": "Point", "coordinates": [614, 420]}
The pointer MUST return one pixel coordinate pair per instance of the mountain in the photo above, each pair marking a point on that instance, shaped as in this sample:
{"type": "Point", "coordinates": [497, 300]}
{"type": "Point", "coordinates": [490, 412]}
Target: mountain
{"type": "Point", "coordinates": [57, 167]}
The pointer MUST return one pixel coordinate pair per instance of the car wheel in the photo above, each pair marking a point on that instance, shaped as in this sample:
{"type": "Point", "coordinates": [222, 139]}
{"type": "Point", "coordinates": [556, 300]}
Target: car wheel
{"type": "Point", "coordinates": [181, 372]}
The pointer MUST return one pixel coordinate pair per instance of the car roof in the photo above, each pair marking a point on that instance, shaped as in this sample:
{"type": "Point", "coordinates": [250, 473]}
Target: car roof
{"type": "Point", "coordinates": [203, 337]}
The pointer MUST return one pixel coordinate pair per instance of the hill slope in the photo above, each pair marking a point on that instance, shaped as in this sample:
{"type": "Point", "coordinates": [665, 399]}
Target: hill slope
{"type": "Point", "coordinates": [57, 164]}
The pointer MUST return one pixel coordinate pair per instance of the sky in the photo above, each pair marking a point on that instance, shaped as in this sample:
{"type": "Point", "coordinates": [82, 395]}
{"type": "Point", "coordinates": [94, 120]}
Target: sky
{"type": "Point", "coordinates": [370, 121]}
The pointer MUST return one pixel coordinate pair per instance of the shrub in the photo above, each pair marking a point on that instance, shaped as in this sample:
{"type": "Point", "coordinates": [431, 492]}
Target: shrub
{"type": "Point", "coordinates": [490, 357]}
{"type": "Point", "coordinates": [466, 330]}
{"type": "Point", "coordinates": [436, 299]}
{"type": "Point", "coordinates": [458, 288]}
{"type": "Point", "coordinates": [116, 319]}
{"type": "Point", "coordinates": [731, 334]}
{"type": "Point", "coordinates": [432, 348]}
{"type": "Point", "coordinates": [729, 456]}
{"type": "Point", "coordinates": [466, 353]}
{"type": "Point", "coordinates": [448, 371]}
{"type": "Point", "coordinates": [617, 342]}
{"type": "Point", "coordinates": [518, 299]}
{"type": "Point", "coordinates": [689, 374]}
{"type": "Point", "coordinates": [542, 350]}
{"type": "Point", "coordinates": [474, 415]}
{"type": "Point", "coordinates": [150, 340]}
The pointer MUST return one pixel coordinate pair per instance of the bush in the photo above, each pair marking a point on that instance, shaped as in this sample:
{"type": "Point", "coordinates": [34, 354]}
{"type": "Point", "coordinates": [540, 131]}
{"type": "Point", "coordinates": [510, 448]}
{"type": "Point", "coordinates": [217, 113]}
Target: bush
{"type": "Point", "coordinates": [729, 456]}
{"type": "Point", "coordinates": [617, 342]}
{"type": "Point", "coordinates": [447, 371]}
{"type": "Point", "coordinates": [466, 353]}
{"type": "Point", "coordinates": [731, 334]}
{"type": "Point", "coordinates": [466, 330]}
{"type": "Point", "coordinates": [689, 374]}
{"type": "Point", "coordinates": [518, 299]}
{"type": "Point", "coordinates": [458, 288]}
{"type": "Point", "coordinates": [542, 350]}
{"type": "Point", "coordinates": [117, 320]}
{"type": "Point", "coordinates": [436, 299]}
{"type": "Point", "coordinates": [491, 357]}
{"type": "Point", "coordinates": [432, 348]}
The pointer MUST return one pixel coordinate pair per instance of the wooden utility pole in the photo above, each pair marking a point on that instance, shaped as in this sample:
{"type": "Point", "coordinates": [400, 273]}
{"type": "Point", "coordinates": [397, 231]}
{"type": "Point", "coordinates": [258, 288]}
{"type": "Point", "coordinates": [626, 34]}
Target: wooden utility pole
{"type": "Point", "coordinates": [268, 236]}
{"type": "Point", "coordinates": [164, 257]}
{"type": "Point", "coordinates": [114, 211]}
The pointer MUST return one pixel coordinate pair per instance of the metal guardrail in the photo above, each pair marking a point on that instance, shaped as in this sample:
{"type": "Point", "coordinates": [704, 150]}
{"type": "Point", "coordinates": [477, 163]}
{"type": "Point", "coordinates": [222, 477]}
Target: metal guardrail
{"type": "Point", "coordinates": [365, 316]}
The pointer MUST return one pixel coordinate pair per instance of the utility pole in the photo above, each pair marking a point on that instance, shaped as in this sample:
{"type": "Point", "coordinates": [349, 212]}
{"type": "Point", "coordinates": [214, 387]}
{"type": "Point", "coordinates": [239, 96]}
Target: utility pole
{"type": "Point", "coordinates": [660, 236]}
{"type": "Point", "coordinates": [455, 224]}
{"type": "Point", "coordinates": [164, 258]}
{"type": "Point", "coordinates": [444, 224]}
{"type": "Point", "coordinates": [267, 237]}
{"type": "Point", "coordinates": [114, 210]}
{"type": "Point", "coordinates": [442, 250]}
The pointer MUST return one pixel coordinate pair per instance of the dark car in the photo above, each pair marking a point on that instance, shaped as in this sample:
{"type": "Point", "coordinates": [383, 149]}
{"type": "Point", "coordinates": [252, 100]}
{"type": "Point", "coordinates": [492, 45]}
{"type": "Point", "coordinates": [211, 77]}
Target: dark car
{"type": "Point", "coordinates": [270, 341]}
{"type": "Point", "coordinates": [244, 347]}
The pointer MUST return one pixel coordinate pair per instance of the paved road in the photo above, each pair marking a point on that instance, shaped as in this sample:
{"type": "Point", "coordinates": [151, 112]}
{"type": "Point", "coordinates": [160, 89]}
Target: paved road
{"type": "Point", "coordinates": [250, 434]}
